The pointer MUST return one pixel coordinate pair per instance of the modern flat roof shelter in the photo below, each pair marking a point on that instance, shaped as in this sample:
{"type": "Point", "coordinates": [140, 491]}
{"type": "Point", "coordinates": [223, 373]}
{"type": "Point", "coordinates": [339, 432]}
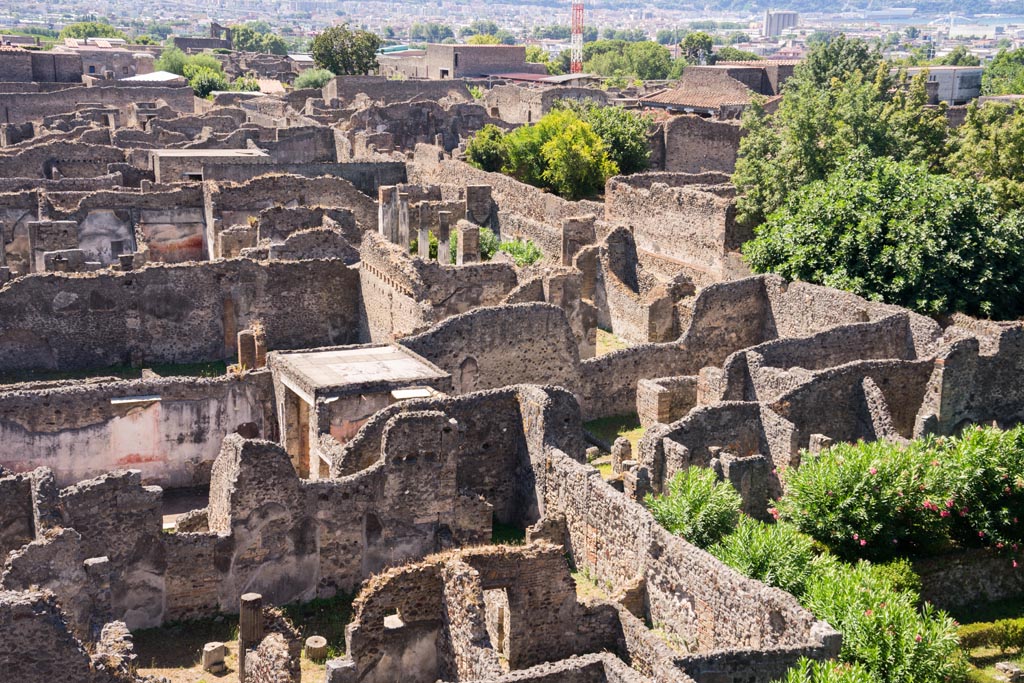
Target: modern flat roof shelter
{"type": "Point", "coordinates": [333, 391]}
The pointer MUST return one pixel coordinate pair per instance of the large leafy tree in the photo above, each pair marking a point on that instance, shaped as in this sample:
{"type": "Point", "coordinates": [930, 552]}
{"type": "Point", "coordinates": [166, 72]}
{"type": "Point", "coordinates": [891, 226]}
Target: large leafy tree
{"type": "Point", "coordinates": [696, 47]}
{"type": "Point", "coordinates": [1005, 74]}
{"type": "Point", "coordinates": [248, 38]}
{"type": "Point", "coordinates": [623, 131]}
{"type": "Point", "coordinates": [840, 99]}
{"type": "Point", "coordinates": [893, 231]}
{"type": "Point", "coordinates": [346, 52]}
{"type": "Point", "coordinates": [90, 29]}
{"type": "Point", "coordinates": [989, 147]}
{"type": "Point", "coordinates": [560, 152]}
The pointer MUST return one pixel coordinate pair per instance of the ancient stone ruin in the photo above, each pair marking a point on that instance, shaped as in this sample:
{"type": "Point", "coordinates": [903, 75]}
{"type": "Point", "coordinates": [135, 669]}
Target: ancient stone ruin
{"type": "Point", "coordinates": [234, 365]}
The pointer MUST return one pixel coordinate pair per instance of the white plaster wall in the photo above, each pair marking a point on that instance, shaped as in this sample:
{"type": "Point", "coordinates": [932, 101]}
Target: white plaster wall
{"type": "Point", "coordinates": [174, 443]}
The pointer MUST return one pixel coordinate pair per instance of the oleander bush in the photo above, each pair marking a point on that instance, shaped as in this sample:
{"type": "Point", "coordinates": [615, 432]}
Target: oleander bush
{"type": "Point", "coordinates": [697, 506]}
{"type": "Point", "coordinates": [865, 499]}
{"type": "Point", "coordinates": [777, 554]}
{"type": "Point", "coordinates": [878, 500]}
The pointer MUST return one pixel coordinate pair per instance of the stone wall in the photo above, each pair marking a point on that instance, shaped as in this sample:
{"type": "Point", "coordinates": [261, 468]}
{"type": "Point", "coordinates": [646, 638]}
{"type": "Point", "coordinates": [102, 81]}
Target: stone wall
{"type": "Point", "coordinates": [227, 205]}
{"type": "Point", "coordinates": [15, 108]}
{"type": "Point", "coordinates": [170, 428]}
{"type": "Point", "coordinates": [502, 345]}
{"type": "Point", "coordinates": [343, 90]}
{"type": "Point", "coordinates": [173, 313]}
{"type": "Point", "coordinates": [694, 225]}
{"type": "Point", "coordinates": [728, 618]}
{"type": "Point", "coordinates": [366, 176]}
{"type": "Point", "coordinates": [696, 145]}
{"type": "Point", "coordinates": [970, 578]}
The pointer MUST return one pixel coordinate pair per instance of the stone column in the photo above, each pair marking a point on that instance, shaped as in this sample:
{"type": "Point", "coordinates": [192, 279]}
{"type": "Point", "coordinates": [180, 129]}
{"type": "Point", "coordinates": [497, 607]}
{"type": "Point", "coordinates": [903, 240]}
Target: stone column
{"type": "Point", "coordinates": [444, 222]}
{"type": "Point", "coordinates": [423, 238]}
{"type": "Point", "coordinates": [261, 349]}
{"type": "Point", "coordinates": [479, 204]}
{"type": "Point", "coordinates": [469, 243]}
{"type": "Point", "coordinates": [402, 238]}
{"type": "Point", "coordinates": [247, 350]}
{"type": "Point", "coordinates": [387, 211]}
{"type": "Point", "coordinates": [250, 628]}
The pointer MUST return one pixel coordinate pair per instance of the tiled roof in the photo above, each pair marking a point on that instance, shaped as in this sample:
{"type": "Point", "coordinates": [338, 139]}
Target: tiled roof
{"type": "Point", "coordinates": [702, 89]}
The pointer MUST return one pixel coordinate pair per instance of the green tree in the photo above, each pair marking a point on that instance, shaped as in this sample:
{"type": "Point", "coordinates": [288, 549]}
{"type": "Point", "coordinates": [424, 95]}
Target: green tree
{"type": "Point", "coordinates": [831, 108]}
{"type": "Point", "coordinates": [430, 32]}
{"type": "Point", "coordinates": [144, 40]}
{"type": "Point", "coordinates": [836, 58]}
{"type": "Point", "coordinates": [313, 78]}
{"type": "Point", "coordinates": [810, 671]}
{"type": "Point", "coordinates": [989, 147]}
{"type": "Point", "coordinates": [171, 60]}
{"type": "Point", "coordinates": [205, 80]}
{"type": "Point", "coordinates": [894, 232]}
{"type": "Point", "coordinates": [576, 159]}
{"type": "Point", "coordinates": [274, 45]}
{"type": "Point", "coordinates": [486, 149]}
{"type": "Point", "coordinates": [775, 554]}
{"type": "Point", "coordinates": [480, 26]}
{"type": "Point", "coordinates": [245, 84]}
{"type": "Point", "coordinates": [483, 39]}
{"type": "Point", "coordinates": [696, 47]}
{"type": "Point", "coordinates": [1005, 74]}
{"type": "Point", "coordinates": [648, 61]}
{"type": "Point", "coordinates": [959, 57]}
{"type": "Point", "coordinates": [624, 132]}
{"type": "Point", "coordinates": [346, 52]}
{"type": "Point", "coordinates": [90, 29]}
{"type": "Point", "coordinates": [731, 54]}
{"type": "Point", "coordinates": [671, 36]}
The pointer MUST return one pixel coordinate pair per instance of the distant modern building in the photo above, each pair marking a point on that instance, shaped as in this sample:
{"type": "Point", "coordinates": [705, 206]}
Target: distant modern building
{"type": "Point", "coordinates": [951, 84]}
{"type": "Point", "coordinates": [775, 22]}
{"type": "Point", "coordinates": [441, 62]}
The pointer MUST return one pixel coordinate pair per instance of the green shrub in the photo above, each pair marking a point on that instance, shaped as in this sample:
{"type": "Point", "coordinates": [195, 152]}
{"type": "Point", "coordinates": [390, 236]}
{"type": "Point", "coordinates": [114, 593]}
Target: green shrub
{"type": "Point", "coordinates": [865, 499]}
{"type": "Point", "coordinates": [245, 84]}
{"type": "Point", "coordinates": [983, 498]}
{"type": "Point", "coordinates": [523, 252]}
{"type": "Point", "coordinates": [810, 671]}
{"type": "Point", "coordinates": [486, 149]}
{"type": "Point", "coordinates": [697, 506]}
{"type": "Point", "coordinates": [1005, 634]}
{"type": "Point", "coordinates": [489, 244]}
{"type": "Point", "coordinates": [882, 627]}
{"type": "Point", "coordinates": [777, 554]}
{"type": "Point", "coordinates": [204, 81]}
{"type": "Point", "coordinates": [313, 78]}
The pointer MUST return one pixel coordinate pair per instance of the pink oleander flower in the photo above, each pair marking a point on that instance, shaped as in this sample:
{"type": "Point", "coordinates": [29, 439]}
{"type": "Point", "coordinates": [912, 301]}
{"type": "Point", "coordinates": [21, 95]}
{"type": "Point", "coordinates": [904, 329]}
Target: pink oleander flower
{"type": "Point", "coordinates": [917, 638]}
{"type": "Point", "coordinates": [868, 612]}
{"type": "Point", "coordinates": [873, 471]}
{"type": "Point", "coordinates": [944, 513]}
{"type": "Point", "coordinates": [863, 542]}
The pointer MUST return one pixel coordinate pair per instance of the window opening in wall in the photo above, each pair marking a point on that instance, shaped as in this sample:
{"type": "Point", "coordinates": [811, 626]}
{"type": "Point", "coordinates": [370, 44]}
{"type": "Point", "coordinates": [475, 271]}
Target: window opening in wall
{"type": "Point", "coordinates": [394, 621]}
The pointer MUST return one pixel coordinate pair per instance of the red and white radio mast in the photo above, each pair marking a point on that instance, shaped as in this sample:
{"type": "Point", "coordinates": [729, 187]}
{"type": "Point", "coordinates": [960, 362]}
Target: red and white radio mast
{"type": "Point", "coordinates": [576, 45]}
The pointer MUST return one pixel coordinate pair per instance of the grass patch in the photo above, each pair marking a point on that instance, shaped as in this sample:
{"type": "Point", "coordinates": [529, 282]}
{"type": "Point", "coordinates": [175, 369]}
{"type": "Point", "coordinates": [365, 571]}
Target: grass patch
{"type": "Point", "coordinates": [179, 645]}
{"type": "Point", "coordinates": [608, 342]}
{"type": "Point", "coordinates": [507, 534]}
{"type": "Point", "coordinates": [325, 617]}
{"type": "Point", "coordinates": [610, 428]}
{"type": "Point", "coordinates": [605, 468]}
{"type": "Point", "coordinates": [211, 369]}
